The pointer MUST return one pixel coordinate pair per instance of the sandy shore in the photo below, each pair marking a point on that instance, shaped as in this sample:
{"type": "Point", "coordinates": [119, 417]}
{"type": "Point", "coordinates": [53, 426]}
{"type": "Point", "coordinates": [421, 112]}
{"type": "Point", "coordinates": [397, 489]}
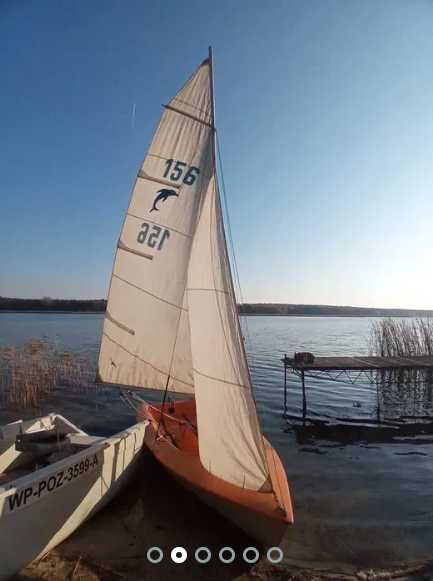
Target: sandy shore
{"type": "Point", "coordinates": [155, 511]}
{"type": "Point", "coordinates": [152, 510]}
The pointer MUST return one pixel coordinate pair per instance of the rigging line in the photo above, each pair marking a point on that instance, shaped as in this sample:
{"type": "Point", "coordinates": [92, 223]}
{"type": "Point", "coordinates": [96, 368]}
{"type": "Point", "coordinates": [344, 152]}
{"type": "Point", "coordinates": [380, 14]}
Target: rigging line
{"type": "Point", "coordinates": [217, 202]}
{"type": "Point", "coordinates": [217, 213]}
{"type": "Point", "coordinates": [161, 415]}
{"type": "Point", "coordinates": [232, 246]}
{"type": "Point", "coordinates": [234, 308]}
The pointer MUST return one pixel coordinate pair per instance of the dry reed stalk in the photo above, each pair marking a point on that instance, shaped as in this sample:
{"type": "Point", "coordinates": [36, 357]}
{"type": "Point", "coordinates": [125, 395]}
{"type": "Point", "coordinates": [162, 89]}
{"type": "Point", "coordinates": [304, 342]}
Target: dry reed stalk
{"type": "Point", "coordinates": [404, 338]}
{"type": "Point", "coordinates": [34, 370]}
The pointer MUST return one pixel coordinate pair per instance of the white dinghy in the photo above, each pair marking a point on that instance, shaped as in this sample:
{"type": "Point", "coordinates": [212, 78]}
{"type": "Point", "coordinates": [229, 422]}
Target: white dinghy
{"type": "Point", "coordinates": [54, 476]}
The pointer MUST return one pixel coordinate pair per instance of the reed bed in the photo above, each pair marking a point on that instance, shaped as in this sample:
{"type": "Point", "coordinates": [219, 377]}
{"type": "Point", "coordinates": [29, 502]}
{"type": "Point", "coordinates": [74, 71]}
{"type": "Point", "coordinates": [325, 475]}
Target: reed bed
{"type": "Point", "coordinates": [34, 370]}
{"type": "Point", "coordinates": [402, 338]}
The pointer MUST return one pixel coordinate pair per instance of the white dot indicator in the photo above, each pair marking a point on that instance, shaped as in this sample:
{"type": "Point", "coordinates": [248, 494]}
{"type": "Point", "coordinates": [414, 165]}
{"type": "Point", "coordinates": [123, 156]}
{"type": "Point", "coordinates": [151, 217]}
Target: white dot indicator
{"type": "Point", "coordinates": [279, 555]}
{"type": "Point", "coordinates": [178, 555]}
{"type": "Point", "coordinates": [226, 551]}
{"type": "Point", "coordinates": [151, 552]}
{"type": "Point", "coordinates": [248, 551]}
{"type": "Point", "coordinates": [199, 558]}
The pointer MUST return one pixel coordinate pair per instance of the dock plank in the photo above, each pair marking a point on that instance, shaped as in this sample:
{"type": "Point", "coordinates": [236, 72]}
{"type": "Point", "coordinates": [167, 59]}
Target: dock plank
{"type": "Point", "coordinates": [361, 363]}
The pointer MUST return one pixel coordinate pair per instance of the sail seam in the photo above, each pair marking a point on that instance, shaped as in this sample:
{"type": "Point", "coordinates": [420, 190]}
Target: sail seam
{"type": "Point", "coordinates": [189, 115]}
{"type": "Point", "coordinates": [212, 290]}
{"type": "Point", "coordinates": [159, 224]}
{"type": "Point", "coordinates": [122, 246]}
{"type": "Point", "coordinates": [220, 379]}
{"type": "Point", "coordinates": [144, 176]}
{"type": "Point", "coordinates": [149, 293]}
{"type": "Point", "coordinates": [144, 361]}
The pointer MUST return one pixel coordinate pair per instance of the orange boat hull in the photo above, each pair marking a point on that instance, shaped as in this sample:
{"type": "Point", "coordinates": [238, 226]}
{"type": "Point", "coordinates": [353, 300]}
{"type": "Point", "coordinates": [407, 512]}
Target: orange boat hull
{"type": "Point", "coordinates": [172, 438]}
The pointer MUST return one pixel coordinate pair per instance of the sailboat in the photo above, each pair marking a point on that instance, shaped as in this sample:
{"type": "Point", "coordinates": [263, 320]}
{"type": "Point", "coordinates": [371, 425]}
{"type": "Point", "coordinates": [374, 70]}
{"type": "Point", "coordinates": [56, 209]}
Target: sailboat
{"type": "Point", "coordinates": [172, 324]}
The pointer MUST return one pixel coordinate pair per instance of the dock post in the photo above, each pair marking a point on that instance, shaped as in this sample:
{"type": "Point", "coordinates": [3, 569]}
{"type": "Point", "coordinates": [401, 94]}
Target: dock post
{"type": "Point", "coordinates": [285, 385]}
{"type": "Point", "coordinates": [378, 401]}
{"type": "Point", "coordinates": [304, 397]}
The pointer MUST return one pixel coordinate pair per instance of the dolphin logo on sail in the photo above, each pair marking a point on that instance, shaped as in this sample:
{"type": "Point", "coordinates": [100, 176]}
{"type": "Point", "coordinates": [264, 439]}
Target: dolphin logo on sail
{"type": "Point", "coordinates": [162, 196]}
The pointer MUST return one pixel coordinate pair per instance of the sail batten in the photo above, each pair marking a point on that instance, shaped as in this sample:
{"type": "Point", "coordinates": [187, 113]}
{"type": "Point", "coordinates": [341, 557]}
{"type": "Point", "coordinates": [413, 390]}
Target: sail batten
{"type": "Point", "coordinates": [188, 235]}
{"type": "Point", "coordinates": [119, 324]}
{"type": "Point", "coordinates": [145, 176]}
{"type": "Point", "coordinates": [122, 246]}
{"type": "Point", "coordinates": [193, 117]}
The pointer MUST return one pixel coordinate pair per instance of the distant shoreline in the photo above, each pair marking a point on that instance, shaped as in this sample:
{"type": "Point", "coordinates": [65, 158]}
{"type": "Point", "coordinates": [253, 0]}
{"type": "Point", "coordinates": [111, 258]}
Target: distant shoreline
{"type": "Point", "coordinates": [322, 316]}
{"type": "Point", "coordinates": [48, 312]}
{"type": "Point", "coordinates": [95, 306]}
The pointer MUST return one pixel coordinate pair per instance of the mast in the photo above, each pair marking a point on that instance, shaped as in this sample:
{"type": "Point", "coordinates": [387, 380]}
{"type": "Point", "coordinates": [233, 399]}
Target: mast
{"type": "Point", "coordinates": [212, 104]}
{"type": "Point", "coordinates": [214, 154]}
{"type": "Point", "coordinates": [212, 96]}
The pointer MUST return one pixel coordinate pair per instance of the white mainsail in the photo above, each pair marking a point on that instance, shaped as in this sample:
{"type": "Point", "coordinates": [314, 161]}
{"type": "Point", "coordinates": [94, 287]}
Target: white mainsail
{"type": "Point", "coordinates": [171, 320]}
{"type": "Point", "coordinates": [145, 341]}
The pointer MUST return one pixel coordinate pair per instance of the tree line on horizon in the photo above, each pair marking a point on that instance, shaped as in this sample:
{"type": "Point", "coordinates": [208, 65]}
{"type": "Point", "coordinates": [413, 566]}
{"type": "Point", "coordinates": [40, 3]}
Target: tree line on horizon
{"type": "Point", "coordinates": [53, 305]}
{"type": "Point", "coordinates": [48, 304]}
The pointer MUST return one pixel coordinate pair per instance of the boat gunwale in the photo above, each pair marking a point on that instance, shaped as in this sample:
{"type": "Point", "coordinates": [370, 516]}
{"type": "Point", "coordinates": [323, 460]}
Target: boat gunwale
{"type": "Point", "coordinates": [47, 471]}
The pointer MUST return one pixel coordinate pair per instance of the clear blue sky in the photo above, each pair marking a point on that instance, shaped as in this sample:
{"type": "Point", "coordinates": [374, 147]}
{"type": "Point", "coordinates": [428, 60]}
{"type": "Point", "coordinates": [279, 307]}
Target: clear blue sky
{"type": "Point", "coordinates": [325, 114]}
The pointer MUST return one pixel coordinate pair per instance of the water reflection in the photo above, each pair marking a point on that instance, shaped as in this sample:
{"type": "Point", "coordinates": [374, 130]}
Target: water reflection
{"type": "Point", "coordinates": [352, 432]}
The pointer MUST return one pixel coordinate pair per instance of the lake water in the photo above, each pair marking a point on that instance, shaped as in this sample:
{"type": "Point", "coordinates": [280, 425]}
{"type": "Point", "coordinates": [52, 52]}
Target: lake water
{"type": "Point", "coordinates": [362, 491]}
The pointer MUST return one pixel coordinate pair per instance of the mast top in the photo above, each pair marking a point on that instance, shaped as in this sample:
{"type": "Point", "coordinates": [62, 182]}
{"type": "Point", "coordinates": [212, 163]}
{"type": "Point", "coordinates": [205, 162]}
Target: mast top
{"type": "Point", "coordinates": [212, 95]}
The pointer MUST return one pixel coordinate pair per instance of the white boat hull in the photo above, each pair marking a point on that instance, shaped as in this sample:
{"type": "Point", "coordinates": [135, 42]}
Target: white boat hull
{"type": "Point", "coordinates": [41, 509]}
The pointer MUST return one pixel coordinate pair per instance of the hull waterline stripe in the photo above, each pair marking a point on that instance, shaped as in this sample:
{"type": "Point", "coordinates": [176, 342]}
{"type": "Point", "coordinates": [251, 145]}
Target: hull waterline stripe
{"type": "Point", "coordinates": [123, 246]}
{"type": "Point", "coordinates": [149, 293]}
{"type": "Point", "coordinates": [120, 325]}
{"type": "Point", "coordinates": [147, 363]}
{"type": "Point", "coordinates": [144, 176]}
{"type": "Point", "coordinates": [193, 117]}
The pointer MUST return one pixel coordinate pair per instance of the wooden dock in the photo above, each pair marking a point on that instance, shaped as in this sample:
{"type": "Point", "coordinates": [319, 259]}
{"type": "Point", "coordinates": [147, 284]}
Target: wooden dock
{"type": "Point", "coordinates": [360, 363]}
{"type": "Point", "coordinates": [351, 369]}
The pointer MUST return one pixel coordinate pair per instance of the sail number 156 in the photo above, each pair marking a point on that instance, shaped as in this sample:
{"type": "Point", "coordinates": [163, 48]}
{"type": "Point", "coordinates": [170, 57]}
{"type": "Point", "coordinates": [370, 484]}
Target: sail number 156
{"type": "Point", "coordinates": [175, 170]}
{"type": "Point", "coordinates": [153, 236]}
